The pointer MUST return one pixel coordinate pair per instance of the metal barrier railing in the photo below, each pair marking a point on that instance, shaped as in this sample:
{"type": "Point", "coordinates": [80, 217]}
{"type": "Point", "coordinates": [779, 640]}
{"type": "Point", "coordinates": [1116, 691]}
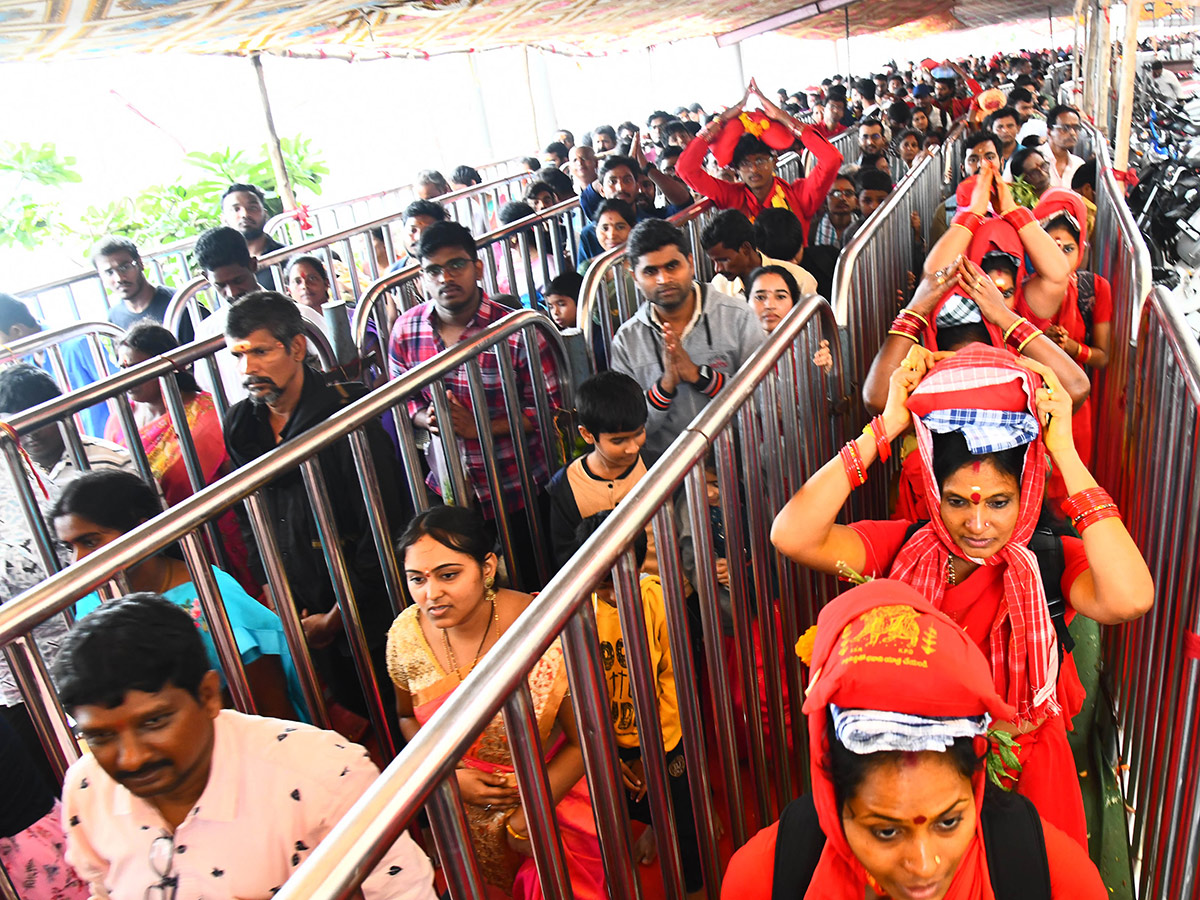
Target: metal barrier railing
{"type": "Point", "coordinates": [84, 293]}
{"type": "Point", "coordinates": [1154, 663]}
{"type": "Point", "coordinates": [606, 288]}
{"type": "Point", "coordinates": [180, 524]}
{"type": "Point", "coordinates": [752, 430]}
{"type": "Point", "coordinates": [476, 204]}
{"type": "Point", "coordinates": [546, 246]}
{"type": "Point", "coordinates": [349, 246]}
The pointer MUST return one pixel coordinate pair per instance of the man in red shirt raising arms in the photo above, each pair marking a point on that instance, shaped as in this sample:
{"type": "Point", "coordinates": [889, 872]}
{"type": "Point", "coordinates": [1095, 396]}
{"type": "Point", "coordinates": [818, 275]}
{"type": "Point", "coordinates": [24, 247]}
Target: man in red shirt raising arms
{"type": "Point", "coordinates": [760, 187]}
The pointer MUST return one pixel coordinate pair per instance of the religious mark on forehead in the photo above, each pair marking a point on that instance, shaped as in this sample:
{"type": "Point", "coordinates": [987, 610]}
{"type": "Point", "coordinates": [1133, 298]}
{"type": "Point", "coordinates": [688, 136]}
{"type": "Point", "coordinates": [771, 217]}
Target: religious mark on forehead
{"type": "Point", "coordinates": [976, 466]}
{"type": "Point", "coordinates": [240, 347]}
{"type": "Point", "coordinates": [919, 820]}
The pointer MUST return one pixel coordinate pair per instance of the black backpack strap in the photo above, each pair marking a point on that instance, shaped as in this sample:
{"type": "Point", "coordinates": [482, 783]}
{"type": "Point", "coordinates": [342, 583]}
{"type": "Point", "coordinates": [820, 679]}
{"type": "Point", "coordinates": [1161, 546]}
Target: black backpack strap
{"type": "Point", "coordinates": [913, 529]}
{"type": "Point", "coordinates": [1015, 846]}
{"type": "Point", "coordinates": [1047, 547]}
{"type": "Point", "coordinates": [798, 845]}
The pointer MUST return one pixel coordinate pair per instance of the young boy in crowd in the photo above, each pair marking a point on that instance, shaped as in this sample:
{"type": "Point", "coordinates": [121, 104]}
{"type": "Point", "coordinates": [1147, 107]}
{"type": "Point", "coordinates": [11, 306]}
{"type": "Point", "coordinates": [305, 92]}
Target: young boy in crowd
{"type": "Point", "coordinates": [613, 651]}
{"type": "Point", "coordinates": [612, 420]}
{"type": "Point", "coordinates": [562, 299]}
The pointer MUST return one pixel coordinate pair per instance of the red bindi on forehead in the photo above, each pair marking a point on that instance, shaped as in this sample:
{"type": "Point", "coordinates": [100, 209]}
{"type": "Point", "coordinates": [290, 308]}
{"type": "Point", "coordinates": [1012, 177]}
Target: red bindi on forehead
{"type": "Point", "coordinates": [920, 820]}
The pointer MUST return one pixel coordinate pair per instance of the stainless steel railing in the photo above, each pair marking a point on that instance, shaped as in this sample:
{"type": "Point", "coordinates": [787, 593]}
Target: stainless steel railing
{"type": "Point", "coordinates": [752, 429]}
{"type": "Point", "coordinates": [181, 523]}
{"type": "Point", "coordinates": [84, 295]}
{"type": "Point", "coordinates": [1154, 663]}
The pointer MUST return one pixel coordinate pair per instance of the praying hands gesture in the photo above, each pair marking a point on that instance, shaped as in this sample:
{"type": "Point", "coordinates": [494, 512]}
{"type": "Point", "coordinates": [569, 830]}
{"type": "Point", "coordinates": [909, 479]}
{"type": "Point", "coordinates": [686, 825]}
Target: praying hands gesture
{"type": "Point", "coordinates": [677, 365]}
{"type": "Point", "coordinates": [771, 109]}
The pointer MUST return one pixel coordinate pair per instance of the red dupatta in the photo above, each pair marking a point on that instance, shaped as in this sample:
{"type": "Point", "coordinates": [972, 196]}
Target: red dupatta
{"type": "Point", "coordinates": [1024, 649]}
{"type": "Point", "coordinates": [881, 646]}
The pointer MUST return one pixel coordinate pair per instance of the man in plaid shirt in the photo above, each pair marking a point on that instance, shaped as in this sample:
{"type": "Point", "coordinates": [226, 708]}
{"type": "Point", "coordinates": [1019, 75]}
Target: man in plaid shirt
{"type": "Point", "coordinates": [459, 309]}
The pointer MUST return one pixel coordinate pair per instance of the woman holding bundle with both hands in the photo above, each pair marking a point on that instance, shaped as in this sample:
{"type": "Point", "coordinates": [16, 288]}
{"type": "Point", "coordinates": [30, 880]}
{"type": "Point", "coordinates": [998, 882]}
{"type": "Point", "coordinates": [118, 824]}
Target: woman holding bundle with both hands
{"type": "Point", "coordinates": [984, 423]}
{"type": "Point", "coordinates": [899, 704]}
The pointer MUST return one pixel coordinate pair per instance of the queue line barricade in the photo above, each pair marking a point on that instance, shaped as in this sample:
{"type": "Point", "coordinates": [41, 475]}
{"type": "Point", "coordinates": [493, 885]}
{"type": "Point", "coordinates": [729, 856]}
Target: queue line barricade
{"type": "Point", "coordinates": [526, 255]}
{"type": "Point", "coordinates": [748, 430]}
{"type": "Point", "coordinates": [185, 522]}
{"type": "Point", "coordinates": [1153, 664]}
{"type": "Point", "coordinates": [83, 294]}
{"type": "Point", "coordinates": [846, 144]}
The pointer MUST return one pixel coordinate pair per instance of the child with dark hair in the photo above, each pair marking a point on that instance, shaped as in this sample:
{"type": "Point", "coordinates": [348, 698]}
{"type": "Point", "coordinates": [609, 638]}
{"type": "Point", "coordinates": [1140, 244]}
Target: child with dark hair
{"type": "Point", "coordinates": [562, 298]}
{"type": "Point", "coordinates": [624, 717]}
{"type": "Point", "coordinates": [612, 419]}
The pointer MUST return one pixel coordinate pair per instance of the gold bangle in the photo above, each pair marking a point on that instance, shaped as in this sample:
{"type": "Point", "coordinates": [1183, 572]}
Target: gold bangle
{"type": "Point", "coordinates": [1013, 327]}
{"type": "Point", "coordinates": [513, 832]}
{"type": "Point", "coordinates": [904, 334]}
{"type": "Point", "coordinates": [962, 226]}
{"type": "Point", "coordinates": [916, 315]}
{"type": "Point", "coordinates": [1036, 334]}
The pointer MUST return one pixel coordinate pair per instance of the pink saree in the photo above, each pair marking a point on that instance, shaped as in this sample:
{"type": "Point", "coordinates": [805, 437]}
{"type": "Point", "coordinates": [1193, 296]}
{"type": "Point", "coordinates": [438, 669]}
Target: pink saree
{"type": "Point", "coordinates": [413, 668]}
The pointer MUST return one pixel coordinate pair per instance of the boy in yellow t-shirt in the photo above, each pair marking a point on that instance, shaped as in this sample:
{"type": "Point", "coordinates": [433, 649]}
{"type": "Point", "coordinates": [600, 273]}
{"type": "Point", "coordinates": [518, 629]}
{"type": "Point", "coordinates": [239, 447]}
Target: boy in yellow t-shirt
{"type": "Point", "coordinates": [620, 694]}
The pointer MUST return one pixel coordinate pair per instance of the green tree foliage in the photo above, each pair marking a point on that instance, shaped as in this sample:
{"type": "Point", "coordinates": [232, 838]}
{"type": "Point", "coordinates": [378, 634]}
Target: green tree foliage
{"type": "Point", "coordinates": [153, 217]}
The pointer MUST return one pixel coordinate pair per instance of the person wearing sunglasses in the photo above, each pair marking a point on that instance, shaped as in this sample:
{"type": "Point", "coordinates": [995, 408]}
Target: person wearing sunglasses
{"type": "Point", "coordinates": [180, 798]}
{"type": "Point", "coordinates": [1063, 127]}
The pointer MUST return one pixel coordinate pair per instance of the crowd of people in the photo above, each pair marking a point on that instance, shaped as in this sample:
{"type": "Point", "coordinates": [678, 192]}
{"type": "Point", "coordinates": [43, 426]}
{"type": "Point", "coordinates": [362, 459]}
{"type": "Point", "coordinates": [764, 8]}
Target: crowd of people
{"type": "Point", "coordinates": [971, 586]}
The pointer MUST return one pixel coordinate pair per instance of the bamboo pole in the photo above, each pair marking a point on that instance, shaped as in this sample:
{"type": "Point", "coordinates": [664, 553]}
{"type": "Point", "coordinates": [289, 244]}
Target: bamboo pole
{"type": "Point", "coordinates": [283, 183]}
{"type": "Point", "coordinates": [1128, 76]}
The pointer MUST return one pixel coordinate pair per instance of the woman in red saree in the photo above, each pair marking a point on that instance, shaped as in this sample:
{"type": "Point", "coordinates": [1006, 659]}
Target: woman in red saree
{"type": "Point", "coordinates": [898, 706]}
{"type": "Point", "coordinates": [456, 618]}
{"type": "Point", "coordinates": [157, 434]}
{"type": "Point", "coordinates": [984, 423]}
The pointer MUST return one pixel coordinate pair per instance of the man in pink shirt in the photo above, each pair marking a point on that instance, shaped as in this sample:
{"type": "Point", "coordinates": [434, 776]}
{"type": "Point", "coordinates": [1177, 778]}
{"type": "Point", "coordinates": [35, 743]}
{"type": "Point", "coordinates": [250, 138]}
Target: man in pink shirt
{"type": "Point", "coordinates": [180, 799]}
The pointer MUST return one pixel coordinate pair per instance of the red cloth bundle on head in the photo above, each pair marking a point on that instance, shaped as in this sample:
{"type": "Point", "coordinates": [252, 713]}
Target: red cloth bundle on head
{"type": "Point", "coordinates": [993, 235]}
{"type": "Point", "coordinates": [883, 647]}
{"type": "Point", "coordinates": [1023, 644]}
{"type": "Point", "coordinates": [772, 133]}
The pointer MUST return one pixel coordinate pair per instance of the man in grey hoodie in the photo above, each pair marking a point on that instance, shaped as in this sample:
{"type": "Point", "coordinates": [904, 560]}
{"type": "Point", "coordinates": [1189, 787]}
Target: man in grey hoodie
{"type": "Point", "coordinates": [685, 341]}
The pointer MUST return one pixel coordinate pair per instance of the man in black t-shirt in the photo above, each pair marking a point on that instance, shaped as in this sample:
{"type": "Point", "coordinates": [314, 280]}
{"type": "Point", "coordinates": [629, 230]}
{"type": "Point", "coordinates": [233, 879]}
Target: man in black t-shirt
{"type": "Point", "coordinates": [124, 278]}
{"type": "Point", "coordinates": [244, 208]}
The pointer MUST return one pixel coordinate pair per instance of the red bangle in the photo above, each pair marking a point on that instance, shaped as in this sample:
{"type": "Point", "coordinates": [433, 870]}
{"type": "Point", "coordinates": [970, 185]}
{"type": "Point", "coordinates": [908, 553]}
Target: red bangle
{"type": "Point", "coordinates": [882, 443]}
{"type": "Point", "coordinates": [1108, 511]}
{"type": "Point", "coordinates": [968, 220]}
{"type": "Point", "coordinates": [1018, 218]}
{"type": "Point", "coordinates": [1084, 354]}
{"type": "Point", "coordinates": [852, 463]}
{"type": "Point", "coordinates": [1079, 505]}
{"type": "Point", "coordinates": [907, 326]}
{"type": "Point", "coordinates": [1021, 333]}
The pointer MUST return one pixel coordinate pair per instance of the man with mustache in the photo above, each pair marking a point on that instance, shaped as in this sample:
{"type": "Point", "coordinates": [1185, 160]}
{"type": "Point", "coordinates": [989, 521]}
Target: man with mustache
{"type": "Point", "coordinates": [685, 341]}
{"type": "Point", "coordinates": [180, 799]}
{"type": "Point", "coordinates": [285, 398]}
{"type": "Point", "coordinates": [244, 209]}
{"type": "Point", "coordinates": [458, 309]}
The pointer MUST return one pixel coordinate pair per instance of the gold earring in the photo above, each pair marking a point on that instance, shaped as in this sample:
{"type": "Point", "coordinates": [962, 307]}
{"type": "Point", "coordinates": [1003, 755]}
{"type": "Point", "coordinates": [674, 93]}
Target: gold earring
{"type": "Point", "coordinates": [489, 582]}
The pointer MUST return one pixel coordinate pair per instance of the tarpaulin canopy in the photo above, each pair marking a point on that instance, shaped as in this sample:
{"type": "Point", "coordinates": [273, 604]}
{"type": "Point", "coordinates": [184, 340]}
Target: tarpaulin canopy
{"type": "Point", "coordinates": [46, 29]}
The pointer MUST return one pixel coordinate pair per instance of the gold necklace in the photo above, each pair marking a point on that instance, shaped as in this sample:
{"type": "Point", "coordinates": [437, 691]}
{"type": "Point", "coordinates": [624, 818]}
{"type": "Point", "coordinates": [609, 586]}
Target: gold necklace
{"type": "Point", "coordinates": [951, 577]}
{"type": "Point", "coordinates": [495, 618]}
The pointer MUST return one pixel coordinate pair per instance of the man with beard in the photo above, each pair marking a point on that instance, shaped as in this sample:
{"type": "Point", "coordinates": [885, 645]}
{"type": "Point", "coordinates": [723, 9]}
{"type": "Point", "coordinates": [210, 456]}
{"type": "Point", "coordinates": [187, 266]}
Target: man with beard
{"type": "Point", "coordinates": [244, 209]}
{"type": "Point", "coordinates": [179, 798]}
{"type": "Point", "coordinates": [685, 341]}
{"type": "Point", "coordinates": [621, 179]}
{"type": "Point", "coordinates": [286, 398]}
{"type": "Point", "coordinates": [225, 259]}
{"type": "Point", "coordinates": [120, 268]}
{"type": "Point", "coordinates": [458, 309]}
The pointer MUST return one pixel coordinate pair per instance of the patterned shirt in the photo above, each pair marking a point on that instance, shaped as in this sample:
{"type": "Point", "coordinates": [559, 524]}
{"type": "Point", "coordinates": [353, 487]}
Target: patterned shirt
{"type": "Point", "coordinates": [20, 562]}
{"type": "Point", "coordinates": [275, 789]}
{"type": "Point", "coordinates": [415, 339]}
{"type": "Point", "coordinates": [825, 234]}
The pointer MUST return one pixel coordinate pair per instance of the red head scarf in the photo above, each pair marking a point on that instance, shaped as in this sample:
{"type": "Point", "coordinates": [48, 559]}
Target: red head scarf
{"type": "Point", "coordinates": [993, 234]}
{"type": "Point", "coordinates": [773, 134]}
{"type": "Point", "coordinates": [1059, 200]}
{"type": "Point", "coordinates": [1024, 650]}
{"type": "Point", "coordinates": [881, 646]}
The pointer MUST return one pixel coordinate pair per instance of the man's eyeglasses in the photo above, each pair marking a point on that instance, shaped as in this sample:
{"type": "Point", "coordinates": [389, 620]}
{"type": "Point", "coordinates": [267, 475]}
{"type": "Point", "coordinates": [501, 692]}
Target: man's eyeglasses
{"type": "Point", "coordinates": [162, 858]}
{"type": "Point", "coordinates": [841, 193]}
{"type": "Point", "coordinates": [755, 162]}
{"type": "Point", "coordinates": [1068, 129]}
{"type": "Point", "coordinates": [453, 266]}
{"type": "Point", "coordinates": [119, 270]}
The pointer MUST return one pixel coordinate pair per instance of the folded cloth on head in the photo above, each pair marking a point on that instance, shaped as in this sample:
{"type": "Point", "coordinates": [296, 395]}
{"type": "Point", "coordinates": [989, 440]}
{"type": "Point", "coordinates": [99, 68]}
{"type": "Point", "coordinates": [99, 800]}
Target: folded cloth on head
{"type": "Point", "coordinates": [957, 310]}
{"type": "Point", "coordinates": [874, 730]}
{"type": "Point", "coordinates": [986, 430]}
